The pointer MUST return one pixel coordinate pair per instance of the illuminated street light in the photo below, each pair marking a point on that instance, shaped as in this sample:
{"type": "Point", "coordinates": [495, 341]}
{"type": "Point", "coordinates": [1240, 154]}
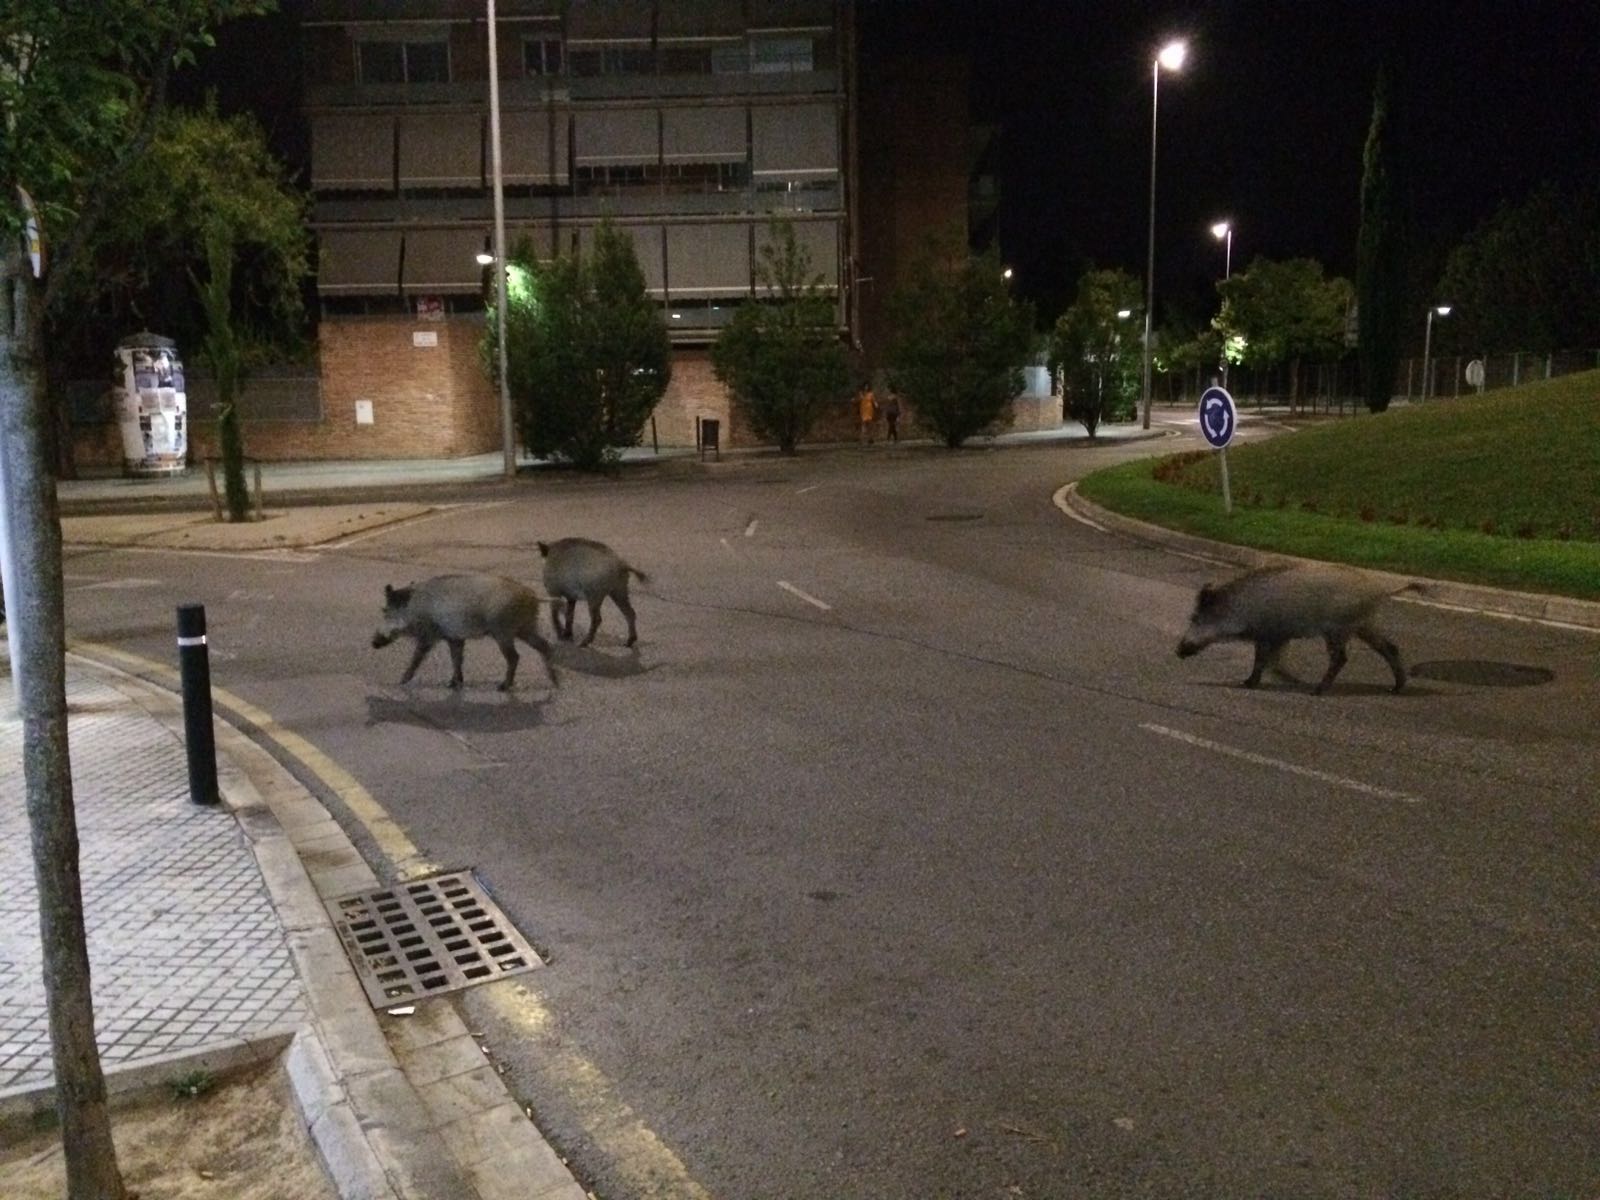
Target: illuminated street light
{"type": "Point", "coordinates": [1006, 274]}
{"type": "Point", "coordinates": [484, 258]}
{"type": "Point", "coordinates": [1223, 231]}
{"type": "Point", "coordinates": [1442, 310]}
{"type": "Point", "coordinates": [1124, 313]}
{"type": "Point", "coordinates": [1171, 57]}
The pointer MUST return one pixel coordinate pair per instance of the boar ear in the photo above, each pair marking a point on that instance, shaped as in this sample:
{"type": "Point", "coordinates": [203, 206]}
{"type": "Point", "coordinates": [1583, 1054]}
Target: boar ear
{"type": "Point", "coordinates": [544, 549]}
{"type": "Point", "coordinates": [388, 592]}
{"type": "Point", "coordinates": [1207, 597]}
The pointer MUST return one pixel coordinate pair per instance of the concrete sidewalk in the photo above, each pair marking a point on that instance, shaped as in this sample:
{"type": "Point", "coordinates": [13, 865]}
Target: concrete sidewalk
{"type": "Point", "coordinates": [210, 948]}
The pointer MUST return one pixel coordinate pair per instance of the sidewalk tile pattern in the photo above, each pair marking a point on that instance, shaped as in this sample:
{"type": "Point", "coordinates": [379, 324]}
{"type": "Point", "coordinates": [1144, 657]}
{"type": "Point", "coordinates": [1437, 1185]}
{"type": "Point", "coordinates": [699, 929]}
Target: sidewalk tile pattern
{"type": "Point", "coordinates": [185, 948]}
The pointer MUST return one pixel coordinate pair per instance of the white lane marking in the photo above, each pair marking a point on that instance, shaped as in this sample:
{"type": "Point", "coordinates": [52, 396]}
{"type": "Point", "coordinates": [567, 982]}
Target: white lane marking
{"type": "Point", "coordinates": [750, 529]}
{"type": "Point", "coordinates": [243, 594]}
{"type": "Point", "coordinates": [810, 488]}
{"type": "Point", "coordinates": [789, 587]}
{"type": "Point", "coordinates": [1262, 760]}
{"type": "Point", "coordinates": [1502, 616]}
{"type": "Point", "coordinates": [726, 545]}
{"type": "Point", "coordinates": [116, 585]}
{"type": "Point", "coordinates": [442, 510]}
{"type": "Point", "coordinates": [1060, 499]}
{"type": "Point", "coordinates": [282, 556]}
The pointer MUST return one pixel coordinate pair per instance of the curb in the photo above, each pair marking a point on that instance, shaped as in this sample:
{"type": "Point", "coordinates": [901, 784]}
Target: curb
{"type": "Point", "coordinates": [373, 1108]}
{"type": "Point", "coordinates": [1565, 612]}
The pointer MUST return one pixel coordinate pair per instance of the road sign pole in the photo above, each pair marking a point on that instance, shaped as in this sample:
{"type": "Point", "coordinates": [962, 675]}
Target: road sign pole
{"type": "Point", "coordinates": [1227, 495]}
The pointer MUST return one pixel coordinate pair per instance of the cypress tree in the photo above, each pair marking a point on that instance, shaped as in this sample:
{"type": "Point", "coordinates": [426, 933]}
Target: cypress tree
{"type": "Point", "coordinates": [1380, 255]}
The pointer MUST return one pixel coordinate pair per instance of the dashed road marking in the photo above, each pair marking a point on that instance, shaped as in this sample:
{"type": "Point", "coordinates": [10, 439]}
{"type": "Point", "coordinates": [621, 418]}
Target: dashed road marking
{"type": "Point", "coordinates": [1262, 760]}
{"type": "Point", "coordinates": [807, 597]}
{"type": "Point", "coordinates": [750, 529]}
{"type": "Point", "coordinates": [808, 488]}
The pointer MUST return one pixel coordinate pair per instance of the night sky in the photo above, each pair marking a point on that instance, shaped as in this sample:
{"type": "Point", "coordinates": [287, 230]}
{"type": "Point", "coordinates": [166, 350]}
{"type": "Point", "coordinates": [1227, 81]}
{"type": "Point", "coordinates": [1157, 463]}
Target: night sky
{"type": "Point", "coordinates": [1265, 124]}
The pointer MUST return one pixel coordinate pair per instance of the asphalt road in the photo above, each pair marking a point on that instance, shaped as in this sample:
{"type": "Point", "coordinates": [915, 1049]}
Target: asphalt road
{"type": "Point", "coordinates": [904, 859]}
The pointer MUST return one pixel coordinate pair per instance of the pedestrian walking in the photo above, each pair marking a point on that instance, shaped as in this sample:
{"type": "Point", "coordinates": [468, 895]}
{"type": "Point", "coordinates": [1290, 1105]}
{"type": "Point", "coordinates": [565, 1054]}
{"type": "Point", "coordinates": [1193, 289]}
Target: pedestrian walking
{"type": "Point", "coordinates": [867, 405]}
{"type": "Point", "coordinates": [891, 418]}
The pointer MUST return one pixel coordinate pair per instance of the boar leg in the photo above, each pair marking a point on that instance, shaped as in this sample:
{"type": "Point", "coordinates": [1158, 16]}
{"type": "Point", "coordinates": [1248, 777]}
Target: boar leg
{"type": "Point", "coordinates": [457, 650]}
{"type": "Point", "coordinates": [421, 652]}
{"type": "Point", "coordinates": [1266, 656]}
{"type": "Point", "coordinates": [627, 610]}
{"type": "Point", "coordinates": [1337, 657]}
{"type": "Point", "coordinates": [1389, 651]}
{"type": "Point", "coordinates": [594, 619]}
{"type": "Point", "coordinates": [564, 634]}
{"type": "Point", "coordinates": [508, 647]}
{"type": "Point", "coordinates": [543, 647]}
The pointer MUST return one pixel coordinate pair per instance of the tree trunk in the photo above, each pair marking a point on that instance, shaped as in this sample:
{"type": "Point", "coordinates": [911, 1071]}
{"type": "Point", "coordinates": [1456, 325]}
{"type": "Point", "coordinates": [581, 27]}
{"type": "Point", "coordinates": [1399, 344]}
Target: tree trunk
{"type": "Point", "coordinates": [39, 634]}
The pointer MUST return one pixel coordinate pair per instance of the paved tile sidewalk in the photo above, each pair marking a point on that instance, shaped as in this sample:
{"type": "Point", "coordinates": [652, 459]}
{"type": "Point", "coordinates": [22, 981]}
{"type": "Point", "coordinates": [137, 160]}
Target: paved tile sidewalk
{"type": "Point", "coordinates": [185, 946]}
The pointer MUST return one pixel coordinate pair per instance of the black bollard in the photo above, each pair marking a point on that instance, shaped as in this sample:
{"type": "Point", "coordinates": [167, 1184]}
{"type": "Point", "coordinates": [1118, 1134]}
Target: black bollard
{"type": "Point", "coordinates": [194, 665]}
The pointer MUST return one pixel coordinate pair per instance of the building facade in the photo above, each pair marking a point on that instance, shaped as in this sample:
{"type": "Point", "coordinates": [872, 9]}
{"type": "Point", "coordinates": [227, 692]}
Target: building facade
{"type": "Point", "coordinates": [688, 124]}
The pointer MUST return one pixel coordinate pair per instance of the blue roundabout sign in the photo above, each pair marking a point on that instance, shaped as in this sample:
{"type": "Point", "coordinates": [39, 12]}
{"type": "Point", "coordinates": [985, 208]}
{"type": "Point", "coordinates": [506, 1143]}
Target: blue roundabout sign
{"type": "Point", "coordinates": [1217, 416]}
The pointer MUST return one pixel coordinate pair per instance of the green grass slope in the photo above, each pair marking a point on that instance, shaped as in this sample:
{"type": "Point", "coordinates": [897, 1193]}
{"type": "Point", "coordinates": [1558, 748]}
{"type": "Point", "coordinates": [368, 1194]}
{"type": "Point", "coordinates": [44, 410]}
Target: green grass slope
{"type": "Point", "coordinates": [1502, 488]}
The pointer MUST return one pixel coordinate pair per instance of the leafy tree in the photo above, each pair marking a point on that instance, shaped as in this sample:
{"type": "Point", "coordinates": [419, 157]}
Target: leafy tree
{"type": "Point", "coordinates": [587, 356]}
{"type": "Point", "coordinates": [82, 83]}
{"type": "Point", "coordinates": [960, 345]}
{"type": "Point", "coordinates": [1283, 312]}
{"type": "Point", "coordinates": [1528, 278]}
{"type": "Point", "coordinates": [210, 186]}
{"type": "Point", "coordinates": [1097, 351]}
{"type": "Point", "coordinates": [1380, 256]}
{"type": "Point", "coordinates": [781, 358]}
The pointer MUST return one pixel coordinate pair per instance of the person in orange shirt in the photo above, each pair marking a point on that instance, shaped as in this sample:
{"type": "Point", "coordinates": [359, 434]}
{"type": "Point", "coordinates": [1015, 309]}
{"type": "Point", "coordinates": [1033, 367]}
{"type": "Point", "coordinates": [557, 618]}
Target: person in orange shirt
{"type": "Point", "coordinates": [868, 407]}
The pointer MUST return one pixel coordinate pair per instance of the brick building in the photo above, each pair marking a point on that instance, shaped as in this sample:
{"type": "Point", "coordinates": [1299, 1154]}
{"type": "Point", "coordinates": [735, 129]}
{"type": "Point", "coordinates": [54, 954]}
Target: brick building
{"type": "Point", "coordinates": [687, 123]}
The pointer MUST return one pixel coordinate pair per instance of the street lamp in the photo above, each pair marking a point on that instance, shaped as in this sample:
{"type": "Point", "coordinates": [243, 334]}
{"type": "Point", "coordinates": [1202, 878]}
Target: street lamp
{"type": "Point", "coordinates": [1006, 274]}
{"type": "Point", "coordinates": [1223, 232]}
{"type": "Point", "coordinates": [508, 444]}
{"type": "Point", "coordinates": [1171, 57]}
{"type": "Point", "coordinates": [1442, 310]}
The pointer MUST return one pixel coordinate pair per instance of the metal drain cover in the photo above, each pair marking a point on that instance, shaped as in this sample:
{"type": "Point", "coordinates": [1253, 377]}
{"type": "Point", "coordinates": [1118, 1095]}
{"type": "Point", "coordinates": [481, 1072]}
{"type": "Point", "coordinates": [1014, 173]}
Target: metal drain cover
{"type": "Point", "coordinates": [427, 937]}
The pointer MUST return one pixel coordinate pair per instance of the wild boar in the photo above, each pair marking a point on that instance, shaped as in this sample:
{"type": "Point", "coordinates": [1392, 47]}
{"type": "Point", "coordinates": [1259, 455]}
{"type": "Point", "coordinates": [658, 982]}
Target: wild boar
{"type": "Point", "coordinates": [453, 608]}
{"type": "Point", "coordinates": [578, 568]}
{"type": "Point", "coordinates": [1271, 606]}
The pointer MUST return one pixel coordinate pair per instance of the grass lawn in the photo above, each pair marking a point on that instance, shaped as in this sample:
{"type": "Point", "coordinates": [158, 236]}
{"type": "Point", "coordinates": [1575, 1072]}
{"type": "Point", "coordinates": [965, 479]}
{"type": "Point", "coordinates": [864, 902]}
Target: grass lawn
{"type": "Point", "coordinates": [1502, 489]}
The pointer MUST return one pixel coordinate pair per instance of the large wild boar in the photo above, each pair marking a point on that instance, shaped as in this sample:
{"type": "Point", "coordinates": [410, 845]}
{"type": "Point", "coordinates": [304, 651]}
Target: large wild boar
{"type": "Point", "coordinates": [580, 569]}
{"type": "Point", "coordinates": [1271, 606]}
{"type": "Point", "coordinates": [453, 608]}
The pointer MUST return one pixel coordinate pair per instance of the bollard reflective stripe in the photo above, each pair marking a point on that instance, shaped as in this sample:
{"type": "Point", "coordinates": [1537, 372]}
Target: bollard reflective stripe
{"type": "Point", "coordinates": [192, 641]}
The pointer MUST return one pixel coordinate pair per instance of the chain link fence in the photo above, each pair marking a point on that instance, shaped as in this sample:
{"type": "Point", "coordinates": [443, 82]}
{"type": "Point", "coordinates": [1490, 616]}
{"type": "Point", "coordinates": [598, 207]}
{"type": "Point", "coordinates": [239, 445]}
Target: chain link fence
{"type": "Point", "coordinates": [1336, 387]}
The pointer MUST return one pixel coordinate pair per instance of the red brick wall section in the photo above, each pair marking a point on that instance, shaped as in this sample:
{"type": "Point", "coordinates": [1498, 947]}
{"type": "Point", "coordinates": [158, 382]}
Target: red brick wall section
{"type": "Point", "coordinates": [693, 392]}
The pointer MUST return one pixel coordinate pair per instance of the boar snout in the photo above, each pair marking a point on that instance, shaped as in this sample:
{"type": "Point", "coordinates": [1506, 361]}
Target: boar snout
{"type": "Point", "coordinates": [380, 639]}
{"type": "Point", "coordinates": [1188, 646]}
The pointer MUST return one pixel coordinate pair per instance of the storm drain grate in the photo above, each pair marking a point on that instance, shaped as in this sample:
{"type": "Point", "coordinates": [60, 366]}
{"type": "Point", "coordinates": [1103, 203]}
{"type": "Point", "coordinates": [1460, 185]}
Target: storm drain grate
{"type": "Point", "coordinates": [427, 937]}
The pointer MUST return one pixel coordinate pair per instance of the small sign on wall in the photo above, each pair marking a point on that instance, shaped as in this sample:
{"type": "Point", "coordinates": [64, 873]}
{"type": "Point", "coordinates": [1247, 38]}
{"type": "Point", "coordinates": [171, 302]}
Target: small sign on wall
{"type": "Point", "coordinates": [363, 412]}
{"type": "Point", "coordinates": [424, 337]}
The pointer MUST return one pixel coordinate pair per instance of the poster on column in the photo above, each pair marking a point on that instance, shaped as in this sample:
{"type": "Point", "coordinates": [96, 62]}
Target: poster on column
{"type": "Point", "coordinates": [151, 406]}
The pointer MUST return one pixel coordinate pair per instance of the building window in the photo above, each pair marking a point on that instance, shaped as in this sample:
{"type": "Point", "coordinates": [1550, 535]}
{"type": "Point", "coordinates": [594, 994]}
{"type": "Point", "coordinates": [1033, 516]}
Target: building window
{"type": "Point", "coordinates": [729, 60]}
{"type": "Point", "coordinates": [780, 55]}
{"type": "Point", "coordinates": [404, 62]}
{"type": "Point", "coordinates": [615, 178]}
{"type": "Point", "coordinates": [707, 177]}
{"type": "Point", "coordinates": [541, 56]}
{"type": "Point", "coordinates": [621, 59]}
{"type": "Point", "coordinates": [685, 59]}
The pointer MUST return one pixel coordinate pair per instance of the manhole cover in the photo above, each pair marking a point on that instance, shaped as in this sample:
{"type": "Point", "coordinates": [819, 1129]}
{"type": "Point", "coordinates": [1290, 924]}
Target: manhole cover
{"type": "Point", "coordinates": [1483, 673]}
{"type": "Point", "coordinates": [954, 516]}
{"type": "Point", "coordinates": [428, 937]}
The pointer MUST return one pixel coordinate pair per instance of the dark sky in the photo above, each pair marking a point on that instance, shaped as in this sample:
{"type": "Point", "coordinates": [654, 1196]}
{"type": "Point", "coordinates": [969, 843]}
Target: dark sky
{"type": "Point", "coordinates": [1265, 124]}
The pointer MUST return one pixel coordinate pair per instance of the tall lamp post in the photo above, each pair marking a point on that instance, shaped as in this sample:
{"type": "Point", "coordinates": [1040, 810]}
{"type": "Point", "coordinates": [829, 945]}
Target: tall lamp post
{"type": "Point", "coordinates": [1442, 310]}
{"type": "Point", "coordinates": [1223, 232]}
{"type": "Point", "coordinates": [508, 441]}
{"type": "Point", "coordinates": [1171, 57]}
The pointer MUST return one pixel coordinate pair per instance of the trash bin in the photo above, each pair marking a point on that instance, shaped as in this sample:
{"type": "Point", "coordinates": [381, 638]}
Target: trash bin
{"type": "Point", "coordinates": [152, 408]}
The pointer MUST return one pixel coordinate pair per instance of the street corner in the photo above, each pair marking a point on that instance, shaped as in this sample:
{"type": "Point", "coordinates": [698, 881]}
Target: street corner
{"type": "Point", "coordinates": [279, 529]}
